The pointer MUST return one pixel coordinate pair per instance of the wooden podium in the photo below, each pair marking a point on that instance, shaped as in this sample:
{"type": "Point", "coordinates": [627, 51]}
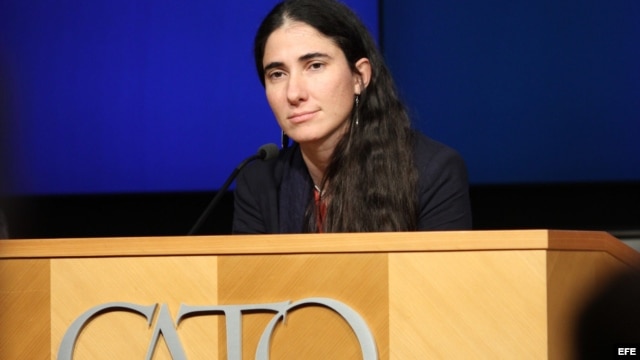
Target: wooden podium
{"type": "Point", "coordinates": [476, 294]}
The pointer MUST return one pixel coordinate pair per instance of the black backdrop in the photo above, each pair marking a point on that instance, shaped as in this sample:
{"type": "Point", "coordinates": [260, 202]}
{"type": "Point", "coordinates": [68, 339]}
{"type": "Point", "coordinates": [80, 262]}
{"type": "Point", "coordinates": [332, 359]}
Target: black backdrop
{"type": "Point", "coordinates": [608, 207]}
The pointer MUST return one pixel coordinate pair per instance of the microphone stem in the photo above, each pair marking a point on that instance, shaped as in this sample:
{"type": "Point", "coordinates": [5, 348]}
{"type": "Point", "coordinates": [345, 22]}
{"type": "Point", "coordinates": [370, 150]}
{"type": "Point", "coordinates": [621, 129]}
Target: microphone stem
{"type": "Point", "coordinates": [220, 193]}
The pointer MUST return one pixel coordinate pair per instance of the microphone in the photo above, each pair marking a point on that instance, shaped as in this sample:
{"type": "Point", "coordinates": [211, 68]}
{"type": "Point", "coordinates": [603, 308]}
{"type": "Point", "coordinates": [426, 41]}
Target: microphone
{"type": "Point", "coordinates": [265, 152]}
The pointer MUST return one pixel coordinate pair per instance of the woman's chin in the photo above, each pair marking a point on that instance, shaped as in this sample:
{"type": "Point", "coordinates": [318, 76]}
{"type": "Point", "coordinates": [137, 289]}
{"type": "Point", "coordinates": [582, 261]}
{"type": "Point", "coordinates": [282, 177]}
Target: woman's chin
{"type": "Point", "coordinates": [302, 138]}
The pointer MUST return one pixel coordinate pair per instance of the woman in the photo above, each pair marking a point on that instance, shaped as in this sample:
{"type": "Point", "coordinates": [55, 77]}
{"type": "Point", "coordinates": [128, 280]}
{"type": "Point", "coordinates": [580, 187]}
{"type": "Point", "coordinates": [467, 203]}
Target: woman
{"type": "Point", "coordinates": [355, 165]}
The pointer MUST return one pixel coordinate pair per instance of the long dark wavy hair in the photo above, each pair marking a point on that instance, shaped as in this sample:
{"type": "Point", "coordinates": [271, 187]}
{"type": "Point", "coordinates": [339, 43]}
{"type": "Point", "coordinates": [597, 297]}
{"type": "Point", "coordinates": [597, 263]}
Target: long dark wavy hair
{"type": "Point", "coordinates": [371, 179]}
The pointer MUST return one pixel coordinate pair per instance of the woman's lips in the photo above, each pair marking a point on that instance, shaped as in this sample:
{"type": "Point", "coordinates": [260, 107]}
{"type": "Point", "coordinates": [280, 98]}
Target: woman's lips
{"type": "Point", "coordinates": [302, 116]}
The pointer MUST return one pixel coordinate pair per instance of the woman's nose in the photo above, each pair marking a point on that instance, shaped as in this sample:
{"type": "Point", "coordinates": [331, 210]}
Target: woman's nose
{"type": "Point", "coordinates": [296, 89]}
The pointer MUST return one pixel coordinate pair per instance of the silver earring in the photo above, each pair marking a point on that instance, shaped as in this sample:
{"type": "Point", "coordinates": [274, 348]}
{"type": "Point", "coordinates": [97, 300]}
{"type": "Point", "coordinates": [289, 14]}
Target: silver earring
{"type": "Point", "coordinates": [357, 102]}
{"type": "Point", "coordinates": [284, 140]}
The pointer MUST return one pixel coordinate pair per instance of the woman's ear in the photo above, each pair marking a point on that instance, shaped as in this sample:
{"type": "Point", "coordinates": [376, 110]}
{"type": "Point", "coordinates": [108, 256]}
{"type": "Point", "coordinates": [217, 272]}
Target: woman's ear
{"type": "Point", "coordinates": [364, 75]}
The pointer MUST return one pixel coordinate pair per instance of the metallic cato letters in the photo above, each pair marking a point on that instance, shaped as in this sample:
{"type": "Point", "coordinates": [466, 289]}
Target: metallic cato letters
{"type": "Point", "coordinates": [233, 317]}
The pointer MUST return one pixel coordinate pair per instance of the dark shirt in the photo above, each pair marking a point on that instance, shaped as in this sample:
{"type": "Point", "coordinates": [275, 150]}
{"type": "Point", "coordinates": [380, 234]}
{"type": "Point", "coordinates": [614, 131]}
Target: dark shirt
{"type": "Point", "coordinates": [272, 196]}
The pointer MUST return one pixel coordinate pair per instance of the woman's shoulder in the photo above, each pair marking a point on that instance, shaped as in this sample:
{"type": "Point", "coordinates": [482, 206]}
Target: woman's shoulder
{"type": "Point", "coordinates": [443, 186]}
{"type": "Point", "coordinates": [428, 150]}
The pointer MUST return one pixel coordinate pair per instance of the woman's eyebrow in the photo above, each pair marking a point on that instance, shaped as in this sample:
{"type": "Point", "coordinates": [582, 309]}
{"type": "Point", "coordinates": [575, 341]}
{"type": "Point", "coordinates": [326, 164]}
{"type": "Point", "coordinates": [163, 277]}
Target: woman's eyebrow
{"type": "Point", "coordinates": [272, 65]}
{"type": "Point", "coordinates": [303, 58]}
{"type": "Point", "coordinates": [311, 56]}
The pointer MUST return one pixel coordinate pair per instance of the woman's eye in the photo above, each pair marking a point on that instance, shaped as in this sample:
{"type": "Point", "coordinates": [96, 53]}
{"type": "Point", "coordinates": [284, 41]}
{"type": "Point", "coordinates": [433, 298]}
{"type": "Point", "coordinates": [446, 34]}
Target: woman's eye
{"type": "Point", "coordinates": [276, 74]}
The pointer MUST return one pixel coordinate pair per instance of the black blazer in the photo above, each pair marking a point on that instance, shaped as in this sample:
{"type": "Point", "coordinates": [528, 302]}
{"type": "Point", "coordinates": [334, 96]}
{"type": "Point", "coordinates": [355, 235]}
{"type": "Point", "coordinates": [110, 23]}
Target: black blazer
{"type": "Point", "coordinates": [271, 196]}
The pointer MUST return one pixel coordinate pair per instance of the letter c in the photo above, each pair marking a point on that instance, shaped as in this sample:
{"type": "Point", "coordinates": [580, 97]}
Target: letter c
{"type": "Point", "coordinates": [71, 335]}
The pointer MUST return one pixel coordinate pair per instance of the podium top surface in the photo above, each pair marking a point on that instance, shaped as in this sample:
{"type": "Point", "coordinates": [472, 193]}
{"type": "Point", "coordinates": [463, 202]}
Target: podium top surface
{"type": "Point", "coordinates": [320, 243]}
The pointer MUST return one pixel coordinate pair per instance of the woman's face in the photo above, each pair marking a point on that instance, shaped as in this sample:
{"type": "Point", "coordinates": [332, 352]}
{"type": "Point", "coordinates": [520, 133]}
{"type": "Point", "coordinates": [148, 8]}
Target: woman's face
{"type": "Point", "coordinates": [309, 84]}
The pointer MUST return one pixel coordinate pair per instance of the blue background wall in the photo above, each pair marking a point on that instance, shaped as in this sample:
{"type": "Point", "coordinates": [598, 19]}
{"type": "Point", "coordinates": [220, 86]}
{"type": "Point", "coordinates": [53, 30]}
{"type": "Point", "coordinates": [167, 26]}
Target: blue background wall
{"type": "Point", "coordinates": [528, 91]}
{"type": "Point", "coordinates": [133, 95]}
{"type": "Point", "coordinates": [146, 96]}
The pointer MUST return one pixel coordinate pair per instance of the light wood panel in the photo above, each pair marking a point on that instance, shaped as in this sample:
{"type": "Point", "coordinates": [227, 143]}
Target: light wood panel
{"type": "Point", "coordinates": [488, 294]}
{"type": "Point", "coordinates": [572, 279]}
{"type": "Point", "coordinates": [357, 280]}
{"type": "Point", "coordinates": [80, 284]}
{"type": "Point", "coordinates": [468, 305]}
{"type": "Point", "coordinates": [24, 309]}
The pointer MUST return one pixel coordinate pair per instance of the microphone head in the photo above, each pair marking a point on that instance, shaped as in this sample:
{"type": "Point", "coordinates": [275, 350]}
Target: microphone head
{"type": "Point", "coordinates": [268, 151]}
